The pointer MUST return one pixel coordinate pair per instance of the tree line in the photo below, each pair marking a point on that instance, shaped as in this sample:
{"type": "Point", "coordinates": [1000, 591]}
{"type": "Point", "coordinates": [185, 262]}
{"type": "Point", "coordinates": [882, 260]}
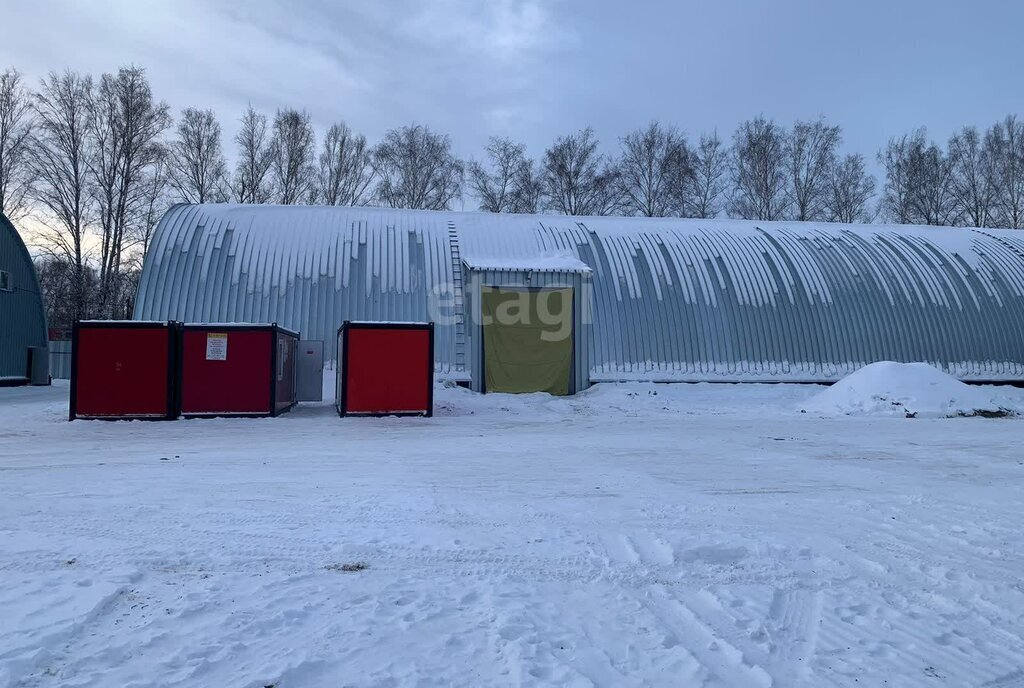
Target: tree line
{"type": "Point", "coordinates": [96, 162]}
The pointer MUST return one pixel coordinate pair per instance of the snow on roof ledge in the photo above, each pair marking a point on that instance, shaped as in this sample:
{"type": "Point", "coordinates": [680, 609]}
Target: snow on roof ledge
{"type": "Point", "coordinates": [388, 322]}
{"type": "Point", "coordinates": [559, 262]}
{"type": "Point", "coordinates": [123, 320]}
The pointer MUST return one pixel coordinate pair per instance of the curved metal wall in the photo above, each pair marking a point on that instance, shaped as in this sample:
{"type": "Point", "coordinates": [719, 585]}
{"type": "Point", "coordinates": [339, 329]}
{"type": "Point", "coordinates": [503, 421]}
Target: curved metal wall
{"type": "Point", "coordinates": [305, 268]}
{"type": "Point", "coordinates": [671, 300]}
{"type": "Point", "coordinates": [728, 300]}
{"type": "Point", "coordinates": [22, 318]}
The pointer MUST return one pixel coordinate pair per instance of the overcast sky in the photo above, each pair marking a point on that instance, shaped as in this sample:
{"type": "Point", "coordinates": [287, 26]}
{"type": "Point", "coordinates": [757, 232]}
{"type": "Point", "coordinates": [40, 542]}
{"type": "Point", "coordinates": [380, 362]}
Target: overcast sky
{"type": "Point", "coordinates": [533, 70]}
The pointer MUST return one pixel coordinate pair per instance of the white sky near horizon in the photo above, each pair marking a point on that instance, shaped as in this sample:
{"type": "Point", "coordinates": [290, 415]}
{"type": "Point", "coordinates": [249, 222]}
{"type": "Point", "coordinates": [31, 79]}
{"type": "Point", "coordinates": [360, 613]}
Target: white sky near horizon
{"type": "Point", "coordinates": [534, 70]}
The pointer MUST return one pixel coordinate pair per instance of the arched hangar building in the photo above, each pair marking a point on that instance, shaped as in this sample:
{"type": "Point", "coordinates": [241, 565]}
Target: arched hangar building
{"type": "Point", "coordinates": [23, 343]}
{"type": "Point", "coordinates": [642, 299]}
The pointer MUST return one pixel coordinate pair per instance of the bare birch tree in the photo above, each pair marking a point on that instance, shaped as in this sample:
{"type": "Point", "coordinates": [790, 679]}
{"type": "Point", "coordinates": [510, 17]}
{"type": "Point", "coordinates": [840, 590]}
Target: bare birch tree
{"type": "Point", "coordinates": [195, 166]}
{"type": "Point", "coordinates": [59, 282]}
{"type": "Point", "coordinates": [16, 122]}
{"type": "Point", "coordinates": [974, 178]}
{"type": "Point", "coordinates": [759, 178]}
{"type": "Point", "coordinates": [577, 179]}
{"type": "Point", "coordinates": [346, 171]}
{"type": "Point", "coordinates": [417, 169]}
{"type": "Point", "coordinates": [849, 191]}
{"type": "Point", "coordinates": [1008, 150]}
{"type": "Point", "coordinates": [126, 124]}
{"type": "Point", "coordinates": [292, 170]}
{"type": "Point", "coordinates": [895, 205]}
{"type": "Point", "coordinates": [154, 203]}
{"type": "Point", "coordinates": [61, 150]}
{"type": "Point", "coordinates": [527, 188]}
{"type": "Point", "coordinates": [708, 177]}
{"type": "Point", "coordinates": [654, 171]}
{"type": "Point", "coordinates": [810, 156]}
{"type": "Point", "coordinates": [255, 157]}
{"type": "Point", "coordinates": [496, 186]}
{"type": "Point", "coordinates": [918, 187]}
{"type": "Point", "coordinates": [610, 199]}
{"type": "Point", "coordinates": [512, 184]}
{"type": "Point", "coordinates": [931, 189]}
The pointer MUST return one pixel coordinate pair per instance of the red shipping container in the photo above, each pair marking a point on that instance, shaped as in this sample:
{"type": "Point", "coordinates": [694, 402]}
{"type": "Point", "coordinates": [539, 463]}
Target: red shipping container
{"type": "Point", "coordinates": [386, 369]}
{"type": "Point", "coordinates": [123, 369]}
{"type": "Point", "coordinates": [237, 369]}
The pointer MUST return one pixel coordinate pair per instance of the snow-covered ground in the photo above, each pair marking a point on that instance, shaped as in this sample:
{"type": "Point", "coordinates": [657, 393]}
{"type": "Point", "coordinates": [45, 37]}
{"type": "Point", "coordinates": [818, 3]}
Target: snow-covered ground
{"type": "Point", "coordinates": [635, 535]}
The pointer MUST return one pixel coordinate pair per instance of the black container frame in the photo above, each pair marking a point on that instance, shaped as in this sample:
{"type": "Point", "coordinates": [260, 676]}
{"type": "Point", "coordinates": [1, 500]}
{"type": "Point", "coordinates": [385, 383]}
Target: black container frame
{"type": "Point", "coordinates": [173, 333]}
{"type": "Point", "coordinates": [346, 327]}
{"type": "Point", "coordinates": [274, 329]}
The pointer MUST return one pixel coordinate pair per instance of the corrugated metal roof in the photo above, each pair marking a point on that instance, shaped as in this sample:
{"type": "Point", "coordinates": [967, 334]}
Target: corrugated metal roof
{"type": "Point", "coordinates": [305, 268]}
{"type": "Point", "coordinates": [673, 299]}
{"type": "Point", "coordinates": [22, 319]}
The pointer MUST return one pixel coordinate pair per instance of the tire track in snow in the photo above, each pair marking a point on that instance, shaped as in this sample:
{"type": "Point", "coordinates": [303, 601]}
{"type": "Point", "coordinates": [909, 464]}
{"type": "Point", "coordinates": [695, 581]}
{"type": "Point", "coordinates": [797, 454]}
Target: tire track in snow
{"type": "Point", "coordinates": [640, 548]}
{"type": "Point", "coordinates": [654, 550]}
{"type": "Point", "coordinates": [45, 666]}
{"type": "Point", "coordinates": [619, 550]}
{"type": "Point", "coordinates": [794, 619]}
{"type": "Point", "coordinates": [723, 661]}
{"type": "Point", "coordinates": [1014, 679]}
{"type": "Point", "coordinates": [781, 639]}
{"type": "Point", "coordinates": [202, 558]}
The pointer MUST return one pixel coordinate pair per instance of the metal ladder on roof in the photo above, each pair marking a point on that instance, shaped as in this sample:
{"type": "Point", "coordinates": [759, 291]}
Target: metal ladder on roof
{"type": "Point", "coordinates": [458, 303]}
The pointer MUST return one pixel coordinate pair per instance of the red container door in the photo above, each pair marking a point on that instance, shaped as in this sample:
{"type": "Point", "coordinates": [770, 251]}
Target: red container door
{"type": "Point", "coordinates": [122, 372]}
{"type": "Point", "coordinates": [226, 372]}
{"type": "Point", "coordinates": [388, 370]}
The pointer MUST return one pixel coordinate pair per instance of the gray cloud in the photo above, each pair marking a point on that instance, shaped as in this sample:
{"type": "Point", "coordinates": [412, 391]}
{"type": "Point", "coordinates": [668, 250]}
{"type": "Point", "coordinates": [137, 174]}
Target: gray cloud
{"type": "Point", "coordinates": [534, 69]}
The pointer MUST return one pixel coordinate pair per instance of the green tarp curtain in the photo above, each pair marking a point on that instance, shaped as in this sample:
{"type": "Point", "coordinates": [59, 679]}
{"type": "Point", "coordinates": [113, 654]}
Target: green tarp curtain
{"type": "Point", "coordinates": [528, 339]}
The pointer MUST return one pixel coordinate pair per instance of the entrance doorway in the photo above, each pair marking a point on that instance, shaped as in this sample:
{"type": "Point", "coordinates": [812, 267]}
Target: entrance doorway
{"type": "Point", "coordinates": [527, 339]}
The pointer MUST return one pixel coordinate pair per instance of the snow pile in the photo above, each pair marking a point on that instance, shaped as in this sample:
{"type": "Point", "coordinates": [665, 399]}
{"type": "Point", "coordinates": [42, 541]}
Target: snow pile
{"type": "Point", "coordinates": [907, 389]}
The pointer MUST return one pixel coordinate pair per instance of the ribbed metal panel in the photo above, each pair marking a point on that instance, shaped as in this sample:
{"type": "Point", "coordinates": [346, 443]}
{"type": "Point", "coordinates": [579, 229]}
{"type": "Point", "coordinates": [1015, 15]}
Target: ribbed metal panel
{"type": "Point", "coordinates": [60, 359]}
{"type": "Point", "coordinates": [686, 300]}
{"type": "Point", "coordinates": [305, 268]}
{"type": "Point", "coordinates": [22, 319]}
{"type": "Point", "coordinates": [671, 299]}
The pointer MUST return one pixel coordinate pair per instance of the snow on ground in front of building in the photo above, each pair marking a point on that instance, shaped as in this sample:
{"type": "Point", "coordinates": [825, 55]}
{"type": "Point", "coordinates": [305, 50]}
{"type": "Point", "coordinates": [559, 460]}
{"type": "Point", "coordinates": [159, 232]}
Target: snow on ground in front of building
{"type": "Point", "coordinates": [634, 535]}
{"type": "Point", "coordinates": [915, 390]}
